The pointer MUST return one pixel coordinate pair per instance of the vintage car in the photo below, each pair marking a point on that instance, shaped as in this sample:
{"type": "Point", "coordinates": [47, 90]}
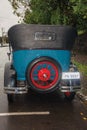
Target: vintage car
{"type": "Point", "coordinates": [41, 60]}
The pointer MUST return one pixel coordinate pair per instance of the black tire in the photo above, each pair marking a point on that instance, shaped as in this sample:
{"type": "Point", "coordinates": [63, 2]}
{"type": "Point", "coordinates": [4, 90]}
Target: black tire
{"type": "Point", "coordinates": [10, 98]}
{"type": "Point", "coordinates": [29, 71]}
{"type": "Point", "coordinates": [8, 73]}
{"type": "Point", "coordinates": [66, 97]}
{"type": "Point", "coordinates": [9, 79]}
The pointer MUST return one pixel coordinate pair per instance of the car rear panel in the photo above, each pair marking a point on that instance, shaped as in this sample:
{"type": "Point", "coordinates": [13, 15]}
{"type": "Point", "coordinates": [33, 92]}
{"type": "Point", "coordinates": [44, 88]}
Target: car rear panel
{"type": "Point", "coordinates": [22, 58]}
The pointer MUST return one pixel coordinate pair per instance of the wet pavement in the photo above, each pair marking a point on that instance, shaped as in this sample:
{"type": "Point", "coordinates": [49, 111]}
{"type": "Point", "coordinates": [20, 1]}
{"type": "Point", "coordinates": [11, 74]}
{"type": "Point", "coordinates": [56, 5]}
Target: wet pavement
{"type": "Point", "coordinates": [39, 112]}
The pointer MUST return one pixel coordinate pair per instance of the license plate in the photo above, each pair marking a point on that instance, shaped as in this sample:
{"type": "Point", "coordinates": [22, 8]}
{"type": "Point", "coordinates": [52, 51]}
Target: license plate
{"type": "Point", "coordinates": [70, 75]}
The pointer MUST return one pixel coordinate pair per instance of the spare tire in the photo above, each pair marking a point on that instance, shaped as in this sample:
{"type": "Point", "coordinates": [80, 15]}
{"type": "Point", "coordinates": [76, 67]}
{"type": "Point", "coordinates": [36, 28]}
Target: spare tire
{"type": "Point", "coordinates": [43, 74]}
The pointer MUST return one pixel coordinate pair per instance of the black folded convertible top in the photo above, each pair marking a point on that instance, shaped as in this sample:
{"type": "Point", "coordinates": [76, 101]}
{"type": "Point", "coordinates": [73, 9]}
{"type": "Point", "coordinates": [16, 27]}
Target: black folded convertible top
{"type": "Point", "coordinates": [31, 36]}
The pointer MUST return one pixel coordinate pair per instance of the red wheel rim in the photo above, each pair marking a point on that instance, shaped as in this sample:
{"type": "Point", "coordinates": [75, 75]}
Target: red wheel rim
{"type": "Point", "coordinates": [44, 75]}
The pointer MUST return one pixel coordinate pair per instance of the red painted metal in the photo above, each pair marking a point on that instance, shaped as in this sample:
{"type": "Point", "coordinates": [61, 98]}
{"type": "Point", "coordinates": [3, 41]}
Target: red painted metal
{"type": "Point", "coordinates": [44, 75]}
{"type": "Point", "coordinates": [67, 94]}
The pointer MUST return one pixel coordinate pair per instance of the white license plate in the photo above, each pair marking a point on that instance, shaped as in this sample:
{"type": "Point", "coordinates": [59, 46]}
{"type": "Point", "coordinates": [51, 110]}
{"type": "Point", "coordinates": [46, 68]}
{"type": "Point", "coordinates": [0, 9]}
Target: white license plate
{"type": "Point", "coordinates": [70, 75]}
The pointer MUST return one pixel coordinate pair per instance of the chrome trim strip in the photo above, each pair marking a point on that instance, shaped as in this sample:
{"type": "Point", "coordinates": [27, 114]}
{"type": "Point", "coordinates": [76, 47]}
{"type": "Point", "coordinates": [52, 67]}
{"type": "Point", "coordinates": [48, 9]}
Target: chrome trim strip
{"type": "Point", "coordinates": [69, 88]}
{"type": "Point", "coordinates": [15, 90]}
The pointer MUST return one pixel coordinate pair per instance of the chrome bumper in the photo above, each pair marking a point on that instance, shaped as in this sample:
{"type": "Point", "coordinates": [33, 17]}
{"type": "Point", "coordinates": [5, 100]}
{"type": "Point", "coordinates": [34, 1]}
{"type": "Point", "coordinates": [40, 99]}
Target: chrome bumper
{"type": "Point", "coordinates": [15, 90]}
{"type": "Point", "coordinates": [70, 82]}
{"type": "Point", "coordinates": [69, 88]}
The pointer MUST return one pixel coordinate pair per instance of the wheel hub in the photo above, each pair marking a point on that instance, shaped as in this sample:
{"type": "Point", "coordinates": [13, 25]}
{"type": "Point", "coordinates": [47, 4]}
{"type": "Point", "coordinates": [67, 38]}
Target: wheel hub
{"type": "Point", "coordinates": [44, 74]}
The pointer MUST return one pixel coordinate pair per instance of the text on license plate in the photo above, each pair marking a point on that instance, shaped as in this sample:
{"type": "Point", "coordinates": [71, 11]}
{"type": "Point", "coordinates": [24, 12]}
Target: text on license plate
{"type": "Point", "coordinates": [70, 75]}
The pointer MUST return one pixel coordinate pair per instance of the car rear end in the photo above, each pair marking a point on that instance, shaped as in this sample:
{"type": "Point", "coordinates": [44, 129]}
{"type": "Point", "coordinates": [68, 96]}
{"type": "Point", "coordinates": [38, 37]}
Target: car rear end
{"type": "Point", "coordinates": [41, 59]}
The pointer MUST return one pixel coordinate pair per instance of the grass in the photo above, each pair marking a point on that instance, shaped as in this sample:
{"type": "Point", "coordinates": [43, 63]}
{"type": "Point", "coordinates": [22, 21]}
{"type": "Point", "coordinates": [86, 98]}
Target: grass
{"type": "Point", "coordinates": [80, 32]}
{"type": "Point", "coordinates": [81, 67]}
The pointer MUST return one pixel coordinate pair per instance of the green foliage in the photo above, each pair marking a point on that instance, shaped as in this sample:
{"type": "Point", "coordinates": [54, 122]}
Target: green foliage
{"type": "Point", "coordinates": [39, 14]}
{"type": "Point", "coordinates": [81, 13]}
{"type": "Point", "coordinates": [68, 12]}
{"type": "Point", "coordinates": [50, 12]}
{"type": "Point", "coordinates": [82, 68]}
